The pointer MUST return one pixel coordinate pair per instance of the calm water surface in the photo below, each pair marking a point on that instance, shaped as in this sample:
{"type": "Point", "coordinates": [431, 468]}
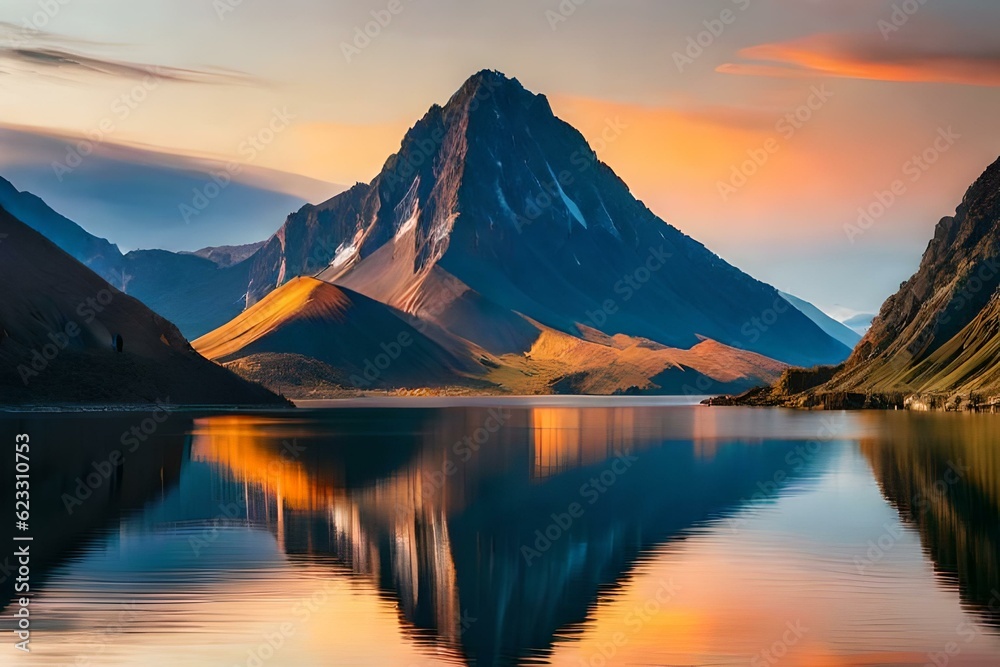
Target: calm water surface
{"type": "Point", "coordinates": [602, 533]}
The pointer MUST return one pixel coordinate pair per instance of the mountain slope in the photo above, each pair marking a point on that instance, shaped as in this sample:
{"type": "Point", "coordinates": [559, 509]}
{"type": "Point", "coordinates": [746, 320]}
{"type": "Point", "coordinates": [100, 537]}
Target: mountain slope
{"type": "Point", "coordinates": [366, 344]}
{"type": "Point", "coordinates": [58, 323]}
{"type": "Point", "coordinates": [496, 193]}
{"type": "Point", "coordinates": [832, 327]}
{"type": "Point", "coordinates": [99, 254]}
{"type": "Point", "coordinates": [939, 333]}
{"type": "Point", "coordinates": [310, 338]}
{"type": "Point", "coordinates": [211, 293]}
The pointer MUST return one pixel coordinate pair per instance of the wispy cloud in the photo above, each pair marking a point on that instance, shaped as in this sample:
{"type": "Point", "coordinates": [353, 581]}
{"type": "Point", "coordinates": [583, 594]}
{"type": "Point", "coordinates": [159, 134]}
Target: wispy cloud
{"type": "Point", "coordinates": [870, 57]}
{"type": "Point", "coordinates": [37, 51]}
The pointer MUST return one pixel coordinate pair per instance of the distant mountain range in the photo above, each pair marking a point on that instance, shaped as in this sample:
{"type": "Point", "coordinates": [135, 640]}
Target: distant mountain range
{"type": "Point", "coordinates": [837, 330]}
{"type": "Point", "coordinates": [67, 336]}
{"type": "Point", "coordinates": [512, 256]}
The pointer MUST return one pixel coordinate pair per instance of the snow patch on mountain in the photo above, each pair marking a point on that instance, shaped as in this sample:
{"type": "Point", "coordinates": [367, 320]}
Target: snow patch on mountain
{"type": "Point", "coordinates": [345, 253]}
{"type": "Point", "coordinates": [569, 203]}
{"type": "Point", "coordinates": [407, 226]}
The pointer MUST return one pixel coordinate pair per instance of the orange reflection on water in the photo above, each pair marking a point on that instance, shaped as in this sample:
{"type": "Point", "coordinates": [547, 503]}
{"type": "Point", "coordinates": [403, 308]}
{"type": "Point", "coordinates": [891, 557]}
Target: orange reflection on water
{"type": "Point", "coordinates": [567, 438]}
{"type": "Point", "coordinates": [253, 452]}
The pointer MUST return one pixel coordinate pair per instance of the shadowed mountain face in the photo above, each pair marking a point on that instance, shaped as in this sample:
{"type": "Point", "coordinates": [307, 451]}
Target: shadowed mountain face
{"type": "Point", "coordinates": [939, 333]}
{"type": "Point", "coordinates": [99, 254]}
{"type": "Point", "coordinates": [197, 292]}
{"type": "Point", "coordinates": [60, 325]}
{"type": "Point", "coordinates": [849, 337]}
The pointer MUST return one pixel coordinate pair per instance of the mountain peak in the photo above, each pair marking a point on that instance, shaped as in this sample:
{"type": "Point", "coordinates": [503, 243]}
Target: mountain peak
{"type": "Point", "coordinates": [494, 89]}
{"type": "Point", "coordinates": [490, 78]}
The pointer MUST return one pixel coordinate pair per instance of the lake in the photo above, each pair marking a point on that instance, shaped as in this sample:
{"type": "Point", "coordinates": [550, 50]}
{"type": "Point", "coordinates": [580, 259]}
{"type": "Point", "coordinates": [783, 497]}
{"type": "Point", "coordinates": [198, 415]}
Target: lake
{"type": "Point", "coordinates": [510, 532]}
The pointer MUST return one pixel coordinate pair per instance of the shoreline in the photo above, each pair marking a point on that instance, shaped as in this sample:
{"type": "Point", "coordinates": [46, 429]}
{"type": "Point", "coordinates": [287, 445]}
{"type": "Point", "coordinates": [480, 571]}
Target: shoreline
{"type": "Point", "coordinates": [372, 401]}
{"type": "Point", "coordinates": [770, 397]}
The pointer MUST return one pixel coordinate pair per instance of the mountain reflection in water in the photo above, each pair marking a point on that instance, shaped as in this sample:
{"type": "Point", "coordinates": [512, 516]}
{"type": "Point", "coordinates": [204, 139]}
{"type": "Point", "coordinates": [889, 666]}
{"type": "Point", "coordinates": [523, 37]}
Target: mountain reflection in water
{"type": "Point", "coordinates": [519, 535]}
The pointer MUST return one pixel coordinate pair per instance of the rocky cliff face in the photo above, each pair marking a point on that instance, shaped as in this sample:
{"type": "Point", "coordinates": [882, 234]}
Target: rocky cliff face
{"type": "Point", "coordinates": [939, 332]}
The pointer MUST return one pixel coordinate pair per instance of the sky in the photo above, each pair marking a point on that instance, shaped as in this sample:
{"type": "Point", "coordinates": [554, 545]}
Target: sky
{"type": "Point", "coordinates": [762, 128]}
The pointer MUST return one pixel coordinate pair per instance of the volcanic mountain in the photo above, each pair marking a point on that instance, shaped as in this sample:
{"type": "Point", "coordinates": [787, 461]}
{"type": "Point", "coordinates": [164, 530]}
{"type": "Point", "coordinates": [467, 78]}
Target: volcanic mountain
{"type": "Point", "coordinates": [495, 220]}
{"type": "Point", "coordinates": [59, 326]}
{"type": "Point", "coordinates": [940, 334]}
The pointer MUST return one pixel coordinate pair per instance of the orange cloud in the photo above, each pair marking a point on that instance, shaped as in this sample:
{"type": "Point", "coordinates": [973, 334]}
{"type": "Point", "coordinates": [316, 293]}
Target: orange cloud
{"type": "Point", "coordinates": [845, 56]}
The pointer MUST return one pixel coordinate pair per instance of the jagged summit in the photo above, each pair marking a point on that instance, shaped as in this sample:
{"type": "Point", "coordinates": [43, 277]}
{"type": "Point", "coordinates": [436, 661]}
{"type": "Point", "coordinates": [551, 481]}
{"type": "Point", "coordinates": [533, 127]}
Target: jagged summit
{"type": "Point", "coordinates": [487, 81]}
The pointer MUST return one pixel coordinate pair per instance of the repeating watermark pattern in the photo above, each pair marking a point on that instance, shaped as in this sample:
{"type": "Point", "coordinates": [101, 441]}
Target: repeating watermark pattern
{"type": "Point", "coordinates": [463, 451]}
{"type": "Point", "coordinates": [628, 286]}
{"type": "Point", "coordinates": [111, 631]}
{"type": "Point", "coordinates": [590, 492]}
{"type": "Point", "coordinates": [780, 649]}
{"type": "Point", "coordinates": [249, 149]}
{"type": "Point", "coordinates": [970, 289]}
{"type": "Point", "coordinates": [275, 639]}
{"type": "Point", "coordinates": [111, 466]}
{"type": "Point", "coordinates": [224, 7]}
{"type": "Point", "coordinates": [291, 452]}
{"type": "Point", "coordinates": [912, 171]}
{"type": "Point", "coordinates": [752, 330]}
{"type": "Point", "coordinates": [365, 35]}
{"type": "Point", "coordinates": [638, 617]}
{"type": "Point", "coordinates": [797, 461]}
{"type": "Point", "coordinates": [423, 150]}
{"type": "Point", "coordinates": [786, 128]}
{"type": "Point", "coordinates": [582, 160]}
{"type": "Point", "coordinates": [920, 504]}
{"type": "Point", "coordinates": [759, 325]}
{"type": "Point", "coordinates": [42, 357]}
{"type": "Point", "coordinates": [121, 110]}
{"type": "Point", "coordinates": [563, 12]}
{"type": "Point", "coordinates": [698, 44]}
{"type": "Point", "coordinates": [967, 632]}
{"type": "Point", "coordinates": [900, 15]}
{"type": "Point", "coordinates": [33, 25]}
{"type": "Point", "coordinates": [374, 368]}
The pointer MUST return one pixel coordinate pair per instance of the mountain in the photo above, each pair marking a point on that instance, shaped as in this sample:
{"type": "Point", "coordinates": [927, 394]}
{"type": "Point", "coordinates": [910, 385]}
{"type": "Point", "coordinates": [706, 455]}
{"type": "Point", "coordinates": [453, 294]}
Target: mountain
{"type": "Point", "coordinates": [228, 255]}
{"type": "Point", "coordinates": [214, 282]}
{"type": "Point", "coordinates": [58, 326]}
{"type": "Point", "coordinates": [832, 327]}
{"type": "Point", "coordinates": [499, 235]}
{"type": "Point", "coordinates": [940, 332]}
{"type": "Point", "coordinates": [360, 342]}
{"type": "Point", "coordinates": [99, 254]}
{"type": "Point", "coordinates": [495, 218]}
